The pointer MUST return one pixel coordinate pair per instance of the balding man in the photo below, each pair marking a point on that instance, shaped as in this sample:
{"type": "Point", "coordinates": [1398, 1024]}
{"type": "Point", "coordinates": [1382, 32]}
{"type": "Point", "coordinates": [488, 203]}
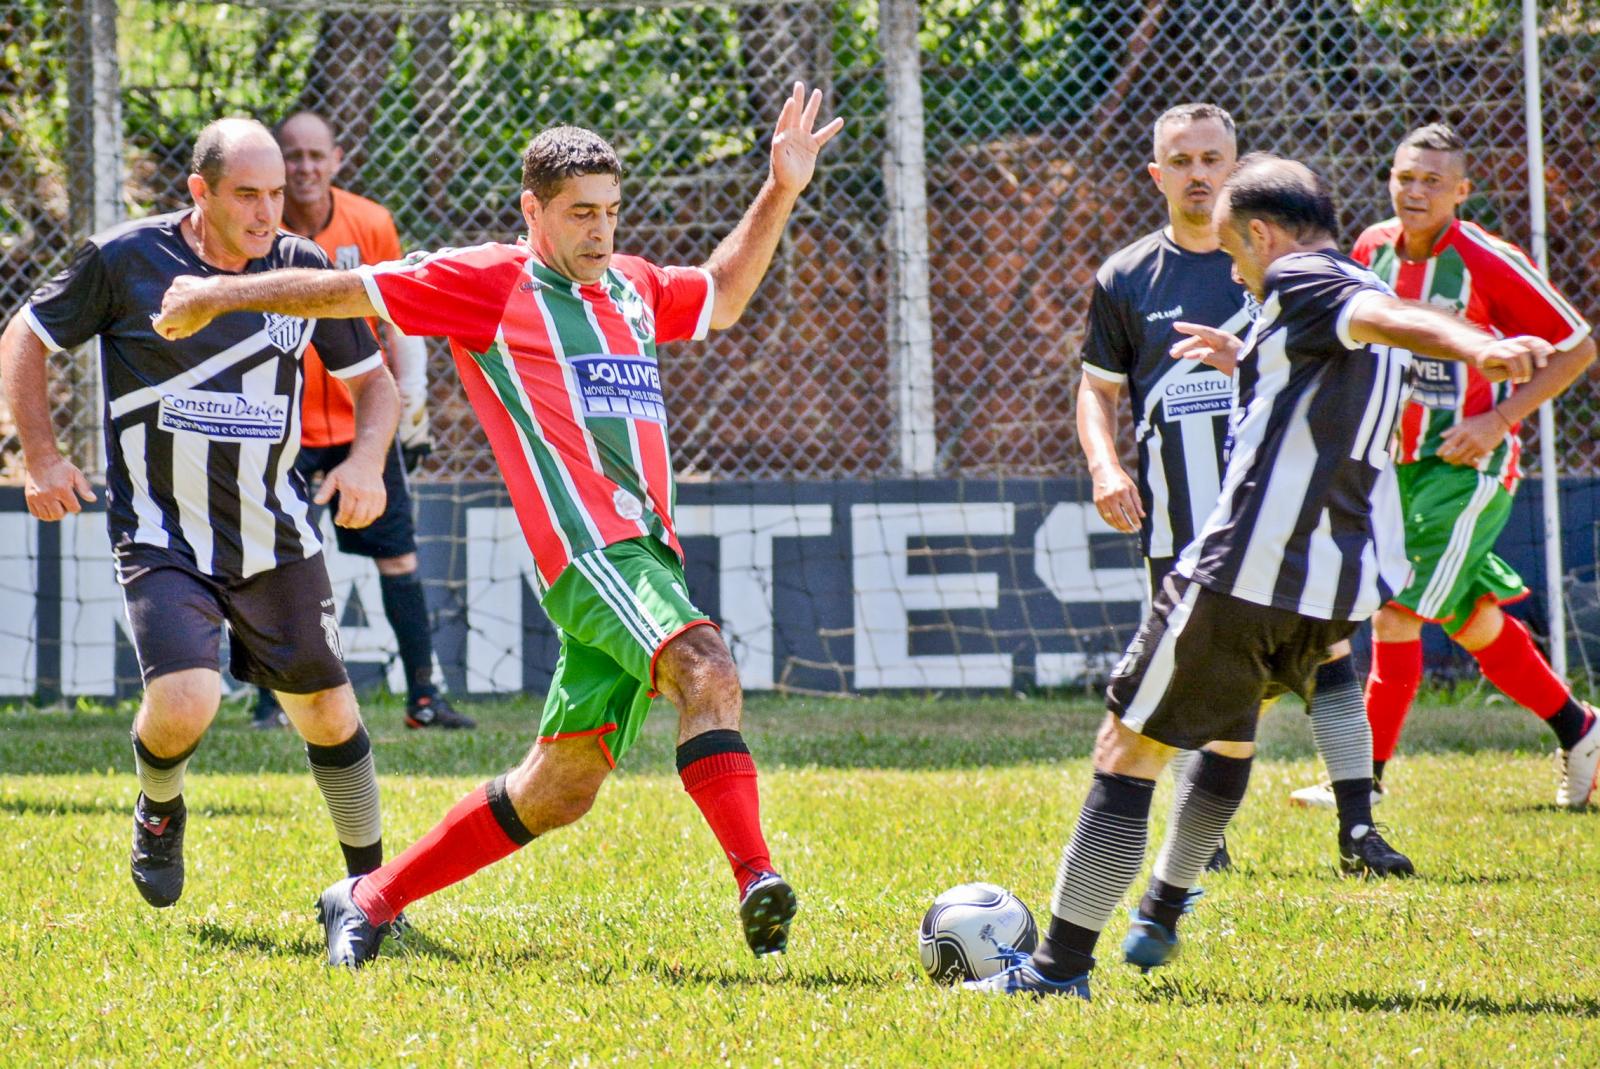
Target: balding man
{"type": "Point", "coordinates": [209, 522]}
{"type": "Point", "coordinates": [1302, 545]}
{"type": "Point", "coordinates": [352, 231]}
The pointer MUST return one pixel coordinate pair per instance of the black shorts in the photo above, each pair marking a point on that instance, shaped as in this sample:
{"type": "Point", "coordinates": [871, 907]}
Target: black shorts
{"type": "Point", "coordinates": [282, 631]}
{"type": "Point", "coordinates": [1203, 662]}
{"type": "Point", "coordinates": [393, 534]}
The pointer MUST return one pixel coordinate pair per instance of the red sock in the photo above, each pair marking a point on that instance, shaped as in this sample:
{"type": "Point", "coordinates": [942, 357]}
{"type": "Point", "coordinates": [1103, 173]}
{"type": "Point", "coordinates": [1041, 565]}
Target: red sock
{"type": "Point", "coordinates": [721, 778]}
{"type": "Point", "coordinates": [473, 835]}
{"type": "Point", "coordinates": [1513, 663]}
{"type": "Point", "coordinates": [1391, 687]}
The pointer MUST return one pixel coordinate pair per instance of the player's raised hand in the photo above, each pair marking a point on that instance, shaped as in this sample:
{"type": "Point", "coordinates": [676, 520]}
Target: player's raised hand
{"type": "Point", "coordinates": [361, 494]}
{"type": "Point", "coordinates": [1513, 359]}
{"type": "Point", "coordinates": [186, 308]}
{"type": "Point", "coordinates": [795, 143]}
{"type": "Point", "coordinates": [52, 488]}
{"type": "Point", "coordinates": [1208, 345]}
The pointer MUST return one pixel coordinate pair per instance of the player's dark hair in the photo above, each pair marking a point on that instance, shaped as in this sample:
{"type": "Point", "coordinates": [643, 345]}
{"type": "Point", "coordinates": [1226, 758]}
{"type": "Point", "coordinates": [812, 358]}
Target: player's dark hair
{"type": "Point", "coordinates": [1437, 137]}
{"type": "Point", "coordinates": [1282, 192]}
{"type": "Point", "coordinates": [564, 152]}
{"type": "Point", "coordinates": [1188, 113]}
{"type": "Point", "coordinates": [210, 158]}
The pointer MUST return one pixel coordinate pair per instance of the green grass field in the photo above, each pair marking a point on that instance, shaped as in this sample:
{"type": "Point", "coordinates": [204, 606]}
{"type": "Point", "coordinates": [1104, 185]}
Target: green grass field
{"type": "Point", "coordinates": [614, 941]}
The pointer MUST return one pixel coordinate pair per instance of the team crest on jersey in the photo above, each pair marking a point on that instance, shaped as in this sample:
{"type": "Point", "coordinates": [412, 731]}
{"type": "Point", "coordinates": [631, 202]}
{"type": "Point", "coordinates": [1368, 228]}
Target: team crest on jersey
{"type": "Point", "coordinates": [346, 257]}
{"type": "Point", "coordinates": [284, 332]}
{"type": "Point", "coordinates": [637, 313]}
{"type": "Point", "coordinates": [330, 635]}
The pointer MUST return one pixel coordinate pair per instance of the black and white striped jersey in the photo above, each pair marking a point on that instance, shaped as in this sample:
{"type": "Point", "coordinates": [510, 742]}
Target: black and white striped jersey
{"type": "Point", "coordinates": [1309, 514]}
{"type": "Point", "coordinates": [1180, 407]}
{"type": "Point", "coordinates": [201, 433]}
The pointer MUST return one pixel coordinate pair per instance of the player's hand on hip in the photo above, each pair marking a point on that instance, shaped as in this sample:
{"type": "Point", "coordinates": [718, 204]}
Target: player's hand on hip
{"type": "Point", "coordinates": [1116, 498]}
{"type": "Point", "coordinates": [1513, 359]}
{"type": "Point", "coordinates": [1208, 345]}
{"type": "Point", "coordinates": [795, 143]}
{"type": "Point", "coordinates": [186, 307]}
{"type": "Point", "coordinates": [361, 494]}
{"type": "Point", "coordinates": [53, 487]}
{"type": "Point", "coordinates": [1472, 439]}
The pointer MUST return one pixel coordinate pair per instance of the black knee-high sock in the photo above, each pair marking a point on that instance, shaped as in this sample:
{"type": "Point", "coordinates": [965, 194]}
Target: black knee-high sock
{"type": "Point", "coordinates": [1097, 867]}
{"type": "Point", "coordinates": [1207, 801]}
{"type": "Point", "coordinates": [406, 606]}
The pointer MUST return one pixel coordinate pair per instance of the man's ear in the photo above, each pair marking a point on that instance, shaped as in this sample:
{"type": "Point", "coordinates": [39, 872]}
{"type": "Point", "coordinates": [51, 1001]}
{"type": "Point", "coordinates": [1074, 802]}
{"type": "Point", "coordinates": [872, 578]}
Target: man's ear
{"type": "Point", "coordinates": [530, 208]}
{"type": "Point", "coordinates": [338, 162]}
{"type": "Point", "coordinates": [198, 189]}
{"type": "Point", "coordinates": [1260, 233]}
{"type": "Point", "coordinates": [1154, 170]}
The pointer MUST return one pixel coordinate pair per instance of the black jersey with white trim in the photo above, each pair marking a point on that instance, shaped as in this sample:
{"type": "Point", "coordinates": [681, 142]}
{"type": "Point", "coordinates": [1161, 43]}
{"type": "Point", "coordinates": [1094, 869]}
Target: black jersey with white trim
{"type": "Point", "coordinates": [201, 433]}
{"type": "Point", "coordinates": [1309, 515]}
{"type": "Point", "coordinates": [1180, 407]}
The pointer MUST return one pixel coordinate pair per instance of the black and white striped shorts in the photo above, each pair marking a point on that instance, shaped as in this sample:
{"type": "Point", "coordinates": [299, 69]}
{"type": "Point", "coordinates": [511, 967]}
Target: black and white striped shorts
{"type": "Point", "coordinates": [1203, 662]}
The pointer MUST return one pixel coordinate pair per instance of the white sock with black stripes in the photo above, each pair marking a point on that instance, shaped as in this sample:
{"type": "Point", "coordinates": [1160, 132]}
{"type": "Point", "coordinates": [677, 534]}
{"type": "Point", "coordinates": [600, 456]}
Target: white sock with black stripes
{"type": "Point", "coordinates": [348, 779]}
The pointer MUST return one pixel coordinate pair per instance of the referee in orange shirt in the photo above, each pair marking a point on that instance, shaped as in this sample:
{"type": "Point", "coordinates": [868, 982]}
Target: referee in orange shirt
{"type": "Point", "coordinates": [353, 230]}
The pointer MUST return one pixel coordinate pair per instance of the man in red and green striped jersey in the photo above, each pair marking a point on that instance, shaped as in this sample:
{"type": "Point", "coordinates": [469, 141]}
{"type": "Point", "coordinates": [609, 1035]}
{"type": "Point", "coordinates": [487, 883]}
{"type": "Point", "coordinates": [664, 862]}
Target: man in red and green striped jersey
{"type": "Point", "coordinates": [555, 341]}
{"type": "Point", "coordinates": [1458, 454]}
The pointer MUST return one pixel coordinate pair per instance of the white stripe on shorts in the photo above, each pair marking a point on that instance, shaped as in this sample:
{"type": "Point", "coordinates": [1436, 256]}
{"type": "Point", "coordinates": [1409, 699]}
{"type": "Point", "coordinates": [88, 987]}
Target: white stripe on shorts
{"type": "Point", "coordinates": [1157, 676]}
{"type": "Point", "coordinates": [1448, 570]}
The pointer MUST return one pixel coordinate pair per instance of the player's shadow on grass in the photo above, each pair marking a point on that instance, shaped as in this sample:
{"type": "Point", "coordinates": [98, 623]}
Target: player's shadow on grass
{"type": "Point", "coordinates": [72, 807]}
{"type": "Point", "coordinates": [1552, 808]}
{"type": "Point", "coordinates": [255, 942]}
{"type": "Point", "coordinates": [1335, 878]}
{"type": "Point", "coordinates": [1190, 993]}
{"type": "Point", "coordinates": [701, 976]}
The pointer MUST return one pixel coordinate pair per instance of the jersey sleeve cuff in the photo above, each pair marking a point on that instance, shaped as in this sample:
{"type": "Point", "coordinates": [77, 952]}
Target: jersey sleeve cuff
{"type": "Point", "coordinates": [1104, 375]}
{"type": "Point", "coordinates": [1347, 314]}
{"type": "Point", "coordinates": [369, 282]}
{"type": "Point", "coordinates": [29, 317]}
{"type": "Point", "coordinates": [1573, 340]}
{"type": "Point", "coordinates": [702, 326]}
{"type": "Point", "coordinates": [359, 368]}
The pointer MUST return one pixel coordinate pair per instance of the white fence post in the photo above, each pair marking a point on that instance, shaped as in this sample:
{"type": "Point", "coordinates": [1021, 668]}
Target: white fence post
{"type": "Point", "coordinates": [905, 188]}
{"type": "Point", "coordinates": [1549, 472]}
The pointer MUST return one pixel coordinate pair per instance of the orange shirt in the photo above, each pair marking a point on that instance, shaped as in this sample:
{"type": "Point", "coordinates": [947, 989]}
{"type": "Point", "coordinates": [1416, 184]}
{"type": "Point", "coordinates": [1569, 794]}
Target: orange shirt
{"type": "Point", "coordinates": [360, 232]}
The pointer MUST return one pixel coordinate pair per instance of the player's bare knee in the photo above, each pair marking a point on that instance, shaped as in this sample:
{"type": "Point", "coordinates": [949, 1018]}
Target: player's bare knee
{"type": "Point", "coordinates": [177, 708]}
{"type": "Point", "coordinates": [1392, 625]}
{"type": "Point", "coordinates": [324, 717]}
{"type": "Point", "coordinates": [697, 674]}
{"type": "Point", "coordinates": [1237, 750]}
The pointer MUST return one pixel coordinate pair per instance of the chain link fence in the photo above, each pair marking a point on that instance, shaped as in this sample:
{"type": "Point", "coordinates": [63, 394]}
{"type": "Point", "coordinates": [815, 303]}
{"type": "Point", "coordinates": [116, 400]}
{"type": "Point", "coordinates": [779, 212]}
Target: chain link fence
{"type": "Point", "coordinates": [1035, 130]}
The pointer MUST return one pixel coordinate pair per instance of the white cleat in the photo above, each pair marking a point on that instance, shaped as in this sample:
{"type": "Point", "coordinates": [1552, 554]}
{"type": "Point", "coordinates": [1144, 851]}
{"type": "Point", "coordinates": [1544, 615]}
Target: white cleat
{"type": "Point", "coordinates": [1321, 796]}
{"type": "Point", "coordinates": [1579, 766]}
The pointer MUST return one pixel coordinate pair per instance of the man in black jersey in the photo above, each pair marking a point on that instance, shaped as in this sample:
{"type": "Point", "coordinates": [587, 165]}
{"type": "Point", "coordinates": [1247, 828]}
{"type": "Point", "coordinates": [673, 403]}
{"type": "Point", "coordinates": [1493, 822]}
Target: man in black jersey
{"type": "Point", "coordinates": [1303, 543]}
{"type": "Point", "coordinates": [1180, 410]}
{"type": "Point", "coordinates": [209, 522]}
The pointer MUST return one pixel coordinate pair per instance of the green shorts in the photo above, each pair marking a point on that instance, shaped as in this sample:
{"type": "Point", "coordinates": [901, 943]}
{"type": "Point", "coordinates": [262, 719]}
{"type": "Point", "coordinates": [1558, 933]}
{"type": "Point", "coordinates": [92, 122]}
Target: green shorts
{"type": "Point", "coordinates": [1453, 515]}
{"type": "Point", "coordinates": [614, 609]}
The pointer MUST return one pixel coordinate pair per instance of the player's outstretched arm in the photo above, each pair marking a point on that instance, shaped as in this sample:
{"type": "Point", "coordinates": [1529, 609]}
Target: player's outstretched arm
{"type": "Point", "coordinates": [191, 301]}
{"type": "Point", "coordinates": [741, 260]}
{"type": "Point", "coordinates": [359, 479]}
{"type": "Point", "coordinates": [1427, 331]}
{"type": "Point", "coordinates": [53, 484]}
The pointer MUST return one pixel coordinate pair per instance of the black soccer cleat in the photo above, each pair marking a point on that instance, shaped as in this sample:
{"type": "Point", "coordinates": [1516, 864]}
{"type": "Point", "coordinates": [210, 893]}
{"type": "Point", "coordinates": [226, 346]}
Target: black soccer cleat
{"type": "Point", "coordinates": [1364, 852]}
{"type": "Point", "coordinates": [157, 861]}
{"type": "Point", "coordinates": [769, 904]}
{"type": "Point", "coordinates": [352, 939]}
{"type": "Point", "coordinates": [1221, 861]}
{"type": "Point", "coordinates": [435, 711]}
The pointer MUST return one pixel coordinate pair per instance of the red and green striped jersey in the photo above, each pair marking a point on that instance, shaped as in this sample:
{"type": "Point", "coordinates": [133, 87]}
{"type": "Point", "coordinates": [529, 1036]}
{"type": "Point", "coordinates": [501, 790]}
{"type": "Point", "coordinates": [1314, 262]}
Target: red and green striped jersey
{"type": "Point", "coordinates": [1494, 285]}
{"type": "Point", "coordinates": [563, 378]}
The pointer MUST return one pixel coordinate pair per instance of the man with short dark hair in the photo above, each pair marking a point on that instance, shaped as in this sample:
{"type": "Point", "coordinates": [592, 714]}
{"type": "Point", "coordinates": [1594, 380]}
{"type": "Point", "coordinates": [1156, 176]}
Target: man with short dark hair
{"type": "Point", "coordinates": [555, 340]}
{"type": "Point", "coordinates": [352, 230]}
{"type": "Point", "coordinates": [209, 522]}
{"type": "Point", "coordinates": [1301, 546]}
{"type": "Point", "coordinates": [1458, 452]}
{"type": "Point", "coordinates": [1180, 413]}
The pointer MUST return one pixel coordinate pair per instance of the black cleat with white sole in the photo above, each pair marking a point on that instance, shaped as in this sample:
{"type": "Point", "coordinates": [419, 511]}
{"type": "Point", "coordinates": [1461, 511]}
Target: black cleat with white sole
{"type": "Point", "coordinates": [769, 904]}
{"type": "Point", "coordinates": [1365, 852]}
{"type": "Point", "coordinates": [157, 860]}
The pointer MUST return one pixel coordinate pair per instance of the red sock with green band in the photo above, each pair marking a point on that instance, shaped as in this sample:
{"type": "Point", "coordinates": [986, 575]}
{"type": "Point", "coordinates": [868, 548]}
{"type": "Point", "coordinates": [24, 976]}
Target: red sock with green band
{"type": "Point", "coordinates": [720, 776]}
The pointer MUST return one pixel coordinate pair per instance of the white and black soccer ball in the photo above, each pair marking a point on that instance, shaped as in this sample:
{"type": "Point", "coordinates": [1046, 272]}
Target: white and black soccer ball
{"type": "Point", "coordinates": [964, 930]}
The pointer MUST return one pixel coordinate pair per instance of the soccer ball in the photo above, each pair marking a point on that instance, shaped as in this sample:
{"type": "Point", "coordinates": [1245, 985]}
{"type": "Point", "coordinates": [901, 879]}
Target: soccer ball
{"type": "Point", "coordinates": [964, 929]}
